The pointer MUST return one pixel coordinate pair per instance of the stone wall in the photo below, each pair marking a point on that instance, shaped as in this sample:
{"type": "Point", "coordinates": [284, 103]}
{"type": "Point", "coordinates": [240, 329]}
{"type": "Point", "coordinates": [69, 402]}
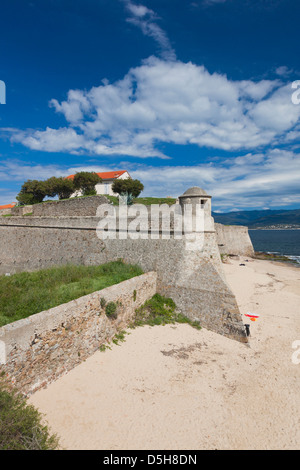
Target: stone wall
{"type": "Point", "coordinates": [39, 349]}
{"type": "Point", "coordinates": [5, 211]}
{"type": "Point", "coordinates": [193, 278]}
{"type": "Point", "coordinates": [21, 210]}
{"type": "Point", "coordinates": [80, 206]}
{"type": "Point", "coordinates": [234, 240]}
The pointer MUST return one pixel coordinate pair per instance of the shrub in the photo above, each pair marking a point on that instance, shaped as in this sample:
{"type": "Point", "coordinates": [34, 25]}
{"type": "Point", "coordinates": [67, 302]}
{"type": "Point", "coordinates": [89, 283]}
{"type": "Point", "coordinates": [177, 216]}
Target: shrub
{"type": "Point", "coordinates": [20, 425]}
{"type": "Point", "coordinates": [111, 310]}
{"type": "Point", "coordinates": [160, 310]}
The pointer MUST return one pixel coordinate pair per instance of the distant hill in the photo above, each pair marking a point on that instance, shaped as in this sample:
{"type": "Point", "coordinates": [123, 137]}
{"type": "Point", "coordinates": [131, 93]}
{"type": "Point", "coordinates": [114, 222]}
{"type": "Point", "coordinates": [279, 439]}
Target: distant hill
{"type": "Point", "coordinates": [260, 218]}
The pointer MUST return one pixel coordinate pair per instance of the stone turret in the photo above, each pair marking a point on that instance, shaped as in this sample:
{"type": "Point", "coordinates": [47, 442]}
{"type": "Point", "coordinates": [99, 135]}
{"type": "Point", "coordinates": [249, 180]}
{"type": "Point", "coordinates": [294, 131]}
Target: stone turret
{"type": "Point", "coordinates": [201, 201]}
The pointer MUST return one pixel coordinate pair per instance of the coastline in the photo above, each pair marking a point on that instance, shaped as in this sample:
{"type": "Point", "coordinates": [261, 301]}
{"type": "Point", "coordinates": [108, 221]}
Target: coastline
{"type": "Point", "coordinates": [174, 387]}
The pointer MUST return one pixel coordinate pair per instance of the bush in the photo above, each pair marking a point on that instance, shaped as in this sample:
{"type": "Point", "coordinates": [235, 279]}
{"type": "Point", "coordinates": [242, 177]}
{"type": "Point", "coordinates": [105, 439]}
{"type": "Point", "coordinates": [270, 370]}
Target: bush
{"type": "Point", "coordinates": [20, 425]}
{"type": "Point", "coordinates": [111, 310]}
{"type": "Point", "coordinates": [160, 310]}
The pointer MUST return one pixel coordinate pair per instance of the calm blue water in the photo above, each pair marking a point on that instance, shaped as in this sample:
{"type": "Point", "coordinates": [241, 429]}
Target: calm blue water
{"type": "Point", "coordinates": [281, 242]}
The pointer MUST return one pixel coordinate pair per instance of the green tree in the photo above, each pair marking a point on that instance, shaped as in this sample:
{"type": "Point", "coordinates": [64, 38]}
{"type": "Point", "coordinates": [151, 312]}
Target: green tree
{"type": "Point", "coordinates": [32, 192]}
{"type": "Point", "coordinates": [86, 181]}
{"type": "Point", "coordinates": [128, 189]}
{"type": "Point", "coordinates": [61, 187]}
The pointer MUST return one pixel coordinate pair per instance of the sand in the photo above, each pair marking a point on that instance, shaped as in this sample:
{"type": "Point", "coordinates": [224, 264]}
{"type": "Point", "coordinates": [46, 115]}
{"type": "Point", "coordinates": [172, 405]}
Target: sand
{"type": "Point", "coordinates": [174, 387]}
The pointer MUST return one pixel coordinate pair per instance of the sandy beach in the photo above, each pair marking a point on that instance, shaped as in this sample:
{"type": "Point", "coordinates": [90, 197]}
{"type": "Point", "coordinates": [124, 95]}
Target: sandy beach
{"type": "Point", "coordinates": [174, 387]}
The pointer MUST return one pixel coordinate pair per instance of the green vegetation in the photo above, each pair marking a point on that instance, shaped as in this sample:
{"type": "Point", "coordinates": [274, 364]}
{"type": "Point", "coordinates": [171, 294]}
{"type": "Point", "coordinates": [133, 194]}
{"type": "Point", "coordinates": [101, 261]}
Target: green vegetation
{"type": "Point", "coordinates": [20, 424]}
{"type": "Point", "coordinates": [119, 337]}
{"type": "Point", "coordinates": [127, 189]}
{"type": "Point", "coordinates": [111, 310]}
{"type": "Point", "coordinates": [103, 347]}
{"type": "Point", "coordinates": [35, 191]}
{"type": "Point", "coordinates": [160, 311]}
{"type": "Point", "coordinates": [61, 187]}
{"type": "Point", "coordinates": [86, 181]}
{"type": "Point", "coordinates": [25, 294]}
{"type": "Point", "coordinates": [147, 201]}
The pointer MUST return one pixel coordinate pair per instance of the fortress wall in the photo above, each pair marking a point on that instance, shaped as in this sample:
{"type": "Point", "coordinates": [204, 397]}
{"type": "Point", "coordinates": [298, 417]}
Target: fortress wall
{"type": "Point", "coordinates": [39, 349]}
{"type": "Point", "coordinates": [5, 211]}
{"type": "Point", "coordinates": [234, 240]}
{"type": "Point", "coordinates": [86, 206]}
{"type": "Point", "coordinates": [21, 210]}
{"type": "Point", "coordinates": [193, 278]}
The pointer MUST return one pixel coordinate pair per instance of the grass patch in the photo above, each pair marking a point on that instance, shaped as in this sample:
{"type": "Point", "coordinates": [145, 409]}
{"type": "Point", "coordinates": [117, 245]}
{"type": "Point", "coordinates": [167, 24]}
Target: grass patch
{"type": "Point", "coordinates": [25, 294]}
{"type": "Point", "coordinates": [20, 425]}
{"type": "Point", "coordinates": [160, 310]}
{"type": "Point", "coordinates": [147, 201]}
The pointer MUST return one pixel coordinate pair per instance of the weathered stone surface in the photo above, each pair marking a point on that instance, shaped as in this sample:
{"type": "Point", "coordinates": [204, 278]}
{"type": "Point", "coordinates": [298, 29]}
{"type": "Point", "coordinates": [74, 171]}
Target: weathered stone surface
{"type": "Point", "coordinates": [194, 278]}
{"type": "Point", "coordinates": [81, 206]}
{"type": "Point", "coordinates": [30, 366]}
{"type": "Point", "coordinates": [234, 240]}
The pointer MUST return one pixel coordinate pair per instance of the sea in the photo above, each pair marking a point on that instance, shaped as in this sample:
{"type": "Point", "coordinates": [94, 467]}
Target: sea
{"type": "Point", "coordinates": [278, 242]}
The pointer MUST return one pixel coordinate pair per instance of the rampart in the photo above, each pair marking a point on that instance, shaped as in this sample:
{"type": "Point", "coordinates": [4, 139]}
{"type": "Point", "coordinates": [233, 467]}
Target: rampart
{"type": "Point", "coordinates": [77, 206]}
{"type": "Point", "coordinates": [193, 278]}
{"type": "Point", "coordinates": [39, 349]}
{"type": "Point", "coordinates": [21, 210]}
{"type": "Point", "coordinates": [234, 240]}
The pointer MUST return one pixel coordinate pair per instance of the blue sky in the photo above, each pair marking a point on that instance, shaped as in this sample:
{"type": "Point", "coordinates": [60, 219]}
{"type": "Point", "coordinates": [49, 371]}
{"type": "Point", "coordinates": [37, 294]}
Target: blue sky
{"type": "Point", "coordinates": [180, 93]}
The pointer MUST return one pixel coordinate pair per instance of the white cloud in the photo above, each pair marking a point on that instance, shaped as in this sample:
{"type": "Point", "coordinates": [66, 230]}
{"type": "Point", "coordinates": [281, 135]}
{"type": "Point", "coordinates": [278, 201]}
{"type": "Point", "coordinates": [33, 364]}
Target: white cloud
{"type": "Point", "coordinates": [251, 180]}
{"type": "Point", "coordinates": [283, 71]}
{"type": "Point", "coordinates": [146, 20]}
{"type": "Point", "coordinates": [51, 140]}
{"type": "Point", "coordinates": [169, 102]}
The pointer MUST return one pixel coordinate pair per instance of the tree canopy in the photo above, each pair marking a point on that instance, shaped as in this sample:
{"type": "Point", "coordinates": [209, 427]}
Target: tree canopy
{"type": "Point", "coordinates": [127, 188]}
{"type": "Point", "coordinates": [34, 191]}
{"type": "Point", "coordinates": [86, 181]}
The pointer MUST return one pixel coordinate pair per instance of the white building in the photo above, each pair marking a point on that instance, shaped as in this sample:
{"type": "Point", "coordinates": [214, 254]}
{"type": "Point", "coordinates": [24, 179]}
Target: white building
{"type": "Point", "coordinates": [108, 178]}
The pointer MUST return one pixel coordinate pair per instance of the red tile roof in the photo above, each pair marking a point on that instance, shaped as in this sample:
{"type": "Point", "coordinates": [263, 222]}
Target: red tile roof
{"type": "Point", "coordinates": [108, 175]}
{"type": "Point", "coordinates": [8, 206]}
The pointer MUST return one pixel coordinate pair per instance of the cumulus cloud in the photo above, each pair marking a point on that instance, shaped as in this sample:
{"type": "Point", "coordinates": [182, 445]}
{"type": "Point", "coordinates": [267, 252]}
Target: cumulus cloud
{"type": "Point", "coordinates": [250, 180]}
{"type": "Point", "coordinates": [164, 101]}
{"type": "Point", "coordinates": [254, 180]}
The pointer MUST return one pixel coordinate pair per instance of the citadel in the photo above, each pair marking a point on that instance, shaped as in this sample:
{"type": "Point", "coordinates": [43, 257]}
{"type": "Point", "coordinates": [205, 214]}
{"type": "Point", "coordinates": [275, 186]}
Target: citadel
{"type": "Point", "coordinates": [67, 232]}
